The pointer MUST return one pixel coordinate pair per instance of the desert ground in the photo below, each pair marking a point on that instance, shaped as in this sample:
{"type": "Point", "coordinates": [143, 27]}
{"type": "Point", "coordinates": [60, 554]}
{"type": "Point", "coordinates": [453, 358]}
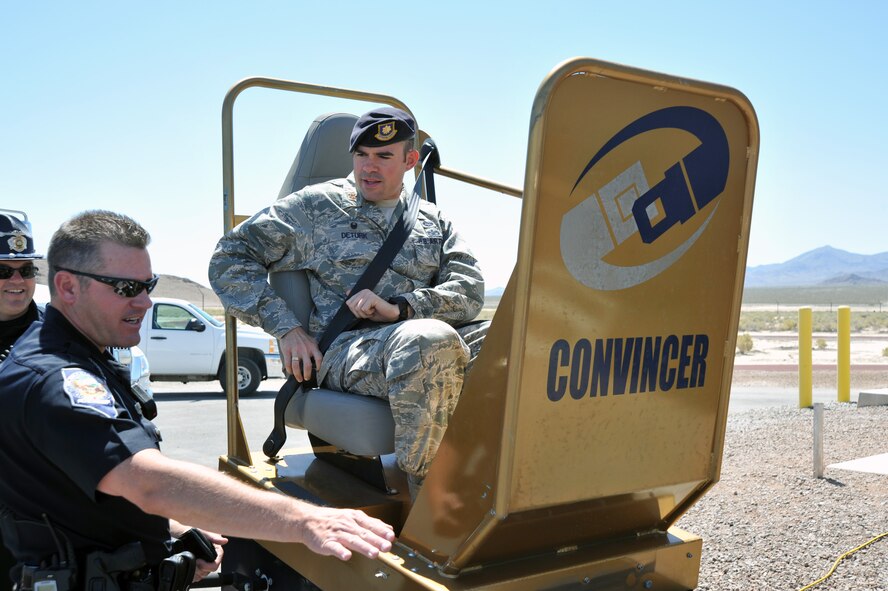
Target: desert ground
{"type": "Point", "coordinates": [774, 360]}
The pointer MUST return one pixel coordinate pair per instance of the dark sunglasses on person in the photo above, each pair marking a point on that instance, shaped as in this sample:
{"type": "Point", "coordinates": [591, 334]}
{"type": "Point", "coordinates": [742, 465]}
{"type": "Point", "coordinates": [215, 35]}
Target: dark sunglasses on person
{"type": "Point", "coordinates": [26, 271]}
{"type": "Point", "coordinates": [128, 288]}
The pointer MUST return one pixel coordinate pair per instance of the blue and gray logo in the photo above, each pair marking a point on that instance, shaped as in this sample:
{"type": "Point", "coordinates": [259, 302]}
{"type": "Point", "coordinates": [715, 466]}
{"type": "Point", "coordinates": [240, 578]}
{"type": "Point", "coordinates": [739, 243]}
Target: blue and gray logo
{"type": "Point", "coordinates": [626, 205]}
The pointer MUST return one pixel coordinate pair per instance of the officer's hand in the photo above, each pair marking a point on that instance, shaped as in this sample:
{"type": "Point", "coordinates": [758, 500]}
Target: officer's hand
{"type": "Point", "coordinates": [203, 567]}
{"type": "Point", "coordinates": [299, 351]}
{"type": "Point", "coordinates": [366, 304]}
{"type": "Point", "coordinates": [336, 532]}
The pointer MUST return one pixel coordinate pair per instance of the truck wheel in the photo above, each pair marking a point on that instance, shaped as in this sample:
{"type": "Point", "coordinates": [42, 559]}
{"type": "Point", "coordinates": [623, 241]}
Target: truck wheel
{"type": "Point", "coordinates": [248, 376]}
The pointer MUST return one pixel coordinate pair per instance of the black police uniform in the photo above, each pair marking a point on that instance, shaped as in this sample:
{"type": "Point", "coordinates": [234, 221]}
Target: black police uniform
{"type": "Point", "coordinates": [11, 330]}
{"type": "Point", "coordinates": [67, 418]}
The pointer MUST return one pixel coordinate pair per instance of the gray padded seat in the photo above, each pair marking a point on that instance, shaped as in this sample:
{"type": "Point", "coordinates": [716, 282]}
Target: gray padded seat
{"type": "Point", "coordinates": [360, 425]}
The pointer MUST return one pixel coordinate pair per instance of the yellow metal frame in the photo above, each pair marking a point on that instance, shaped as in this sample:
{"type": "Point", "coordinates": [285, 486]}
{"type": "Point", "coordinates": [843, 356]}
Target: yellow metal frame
{"type": "Point", "coordinates": [495, 547]}
{"type": "Point", "coordinates": [498, 522]}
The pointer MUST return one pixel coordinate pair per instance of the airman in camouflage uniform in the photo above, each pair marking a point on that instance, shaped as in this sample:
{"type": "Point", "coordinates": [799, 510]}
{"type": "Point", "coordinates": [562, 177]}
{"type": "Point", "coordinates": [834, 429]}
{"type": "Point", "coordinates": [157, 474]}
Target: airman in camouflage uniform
{"type": "Point", "coordinates": [333, 231]}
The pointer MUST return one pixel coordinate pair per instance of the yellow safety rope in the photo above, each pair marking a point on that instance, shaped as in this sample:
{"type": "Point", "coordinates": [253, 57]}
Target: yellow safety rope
{"type": "Point", "coordinates": [840, 559]}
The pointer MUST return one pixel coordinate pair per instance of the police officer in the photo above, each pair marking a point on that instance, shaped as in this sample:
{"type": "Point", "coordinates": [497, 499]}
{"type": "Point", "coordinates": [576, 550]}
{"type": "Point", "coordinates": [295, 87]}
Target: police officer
{"type": "Point", "coordinates": [17, 278]}
{"type": "Point", "coordinates": [18, 275]}
{"type": "Point", "coordinates": [417, 354]}
{"type": "Point", "coordinates": [81, 464]}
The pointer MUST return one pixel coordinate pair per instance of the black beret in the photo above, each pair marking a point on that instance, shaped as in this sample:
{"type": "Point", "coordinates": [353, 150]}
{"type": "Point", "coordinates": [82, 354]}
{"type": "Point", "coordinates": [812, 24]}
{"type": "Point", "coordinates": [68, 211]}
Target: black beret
{"type": "Point", "coordinates": [16, 241]}
{"type": "Point", "coordinates": [381, 127]}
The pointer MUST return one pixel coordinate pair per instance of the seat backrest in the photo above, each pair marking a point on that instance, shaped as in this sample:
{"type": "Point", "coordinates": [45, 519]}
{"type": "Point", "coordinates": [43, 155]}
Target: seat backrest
{"type": "Point", "coordinates": [323, 154]}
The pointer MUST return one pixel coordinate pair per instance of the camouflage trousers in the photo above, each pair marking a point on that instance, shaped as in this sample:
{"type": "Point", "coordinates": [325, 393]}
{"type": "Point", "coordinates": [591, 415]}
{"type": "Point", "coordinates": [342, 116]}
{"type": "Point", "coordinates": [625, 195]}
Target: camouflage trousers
{"type": "Point", "coordinates": [418, 366]}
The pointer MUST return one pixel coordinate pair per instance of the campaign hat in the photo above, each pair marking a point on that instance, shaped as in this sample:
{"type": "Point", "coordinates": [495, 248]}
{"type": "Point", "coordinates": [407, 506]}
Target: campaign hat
{"type": "Point", "coordinates": [16, 239]}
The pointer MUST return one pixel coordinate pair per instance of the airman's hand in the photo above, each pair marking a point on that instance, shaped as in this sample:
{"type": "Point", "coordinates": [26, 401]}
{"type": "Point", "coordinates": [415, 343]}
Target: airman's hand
{"type": "Point", "coordinates": [299, 352]}
{"type": "Point", "coordinates": [366, 304]}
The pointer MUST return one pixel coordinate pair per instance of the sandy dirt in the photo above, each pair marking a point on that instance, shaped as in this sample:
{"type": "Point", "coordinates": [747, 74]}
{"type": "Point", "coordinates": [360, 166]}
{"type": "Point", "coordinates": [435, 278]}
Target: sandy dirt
{"type": "Point", "coordinates": [774, 360]}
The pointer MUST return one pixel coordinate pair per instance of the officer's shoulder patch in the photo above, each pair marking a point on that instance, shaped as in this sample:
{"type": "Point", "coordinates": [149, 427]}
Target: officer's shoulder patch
{"type": "Point", "coordinates": [87, 391]}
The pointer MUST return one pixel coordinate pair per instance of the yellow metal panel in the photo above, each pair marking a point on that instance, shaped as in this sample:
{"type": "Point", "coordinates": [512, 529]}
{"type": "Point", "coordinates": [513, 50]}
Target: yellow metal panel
{"type": "Point", "coordinates": [606, 310]}
{"type": "Point", "coordinates": [598, 404]}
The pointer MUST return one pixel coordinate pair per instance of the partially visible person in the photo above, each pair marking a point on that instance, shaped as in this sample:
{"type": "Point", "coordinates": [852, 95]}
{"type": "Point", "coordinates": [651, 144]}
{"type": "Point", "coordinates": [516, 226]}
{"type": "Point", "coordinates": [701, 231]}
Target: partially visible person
{"type": "Point", "coordinates": [81, 465]}
{"type": "Point", "coordinates": [18, 279]}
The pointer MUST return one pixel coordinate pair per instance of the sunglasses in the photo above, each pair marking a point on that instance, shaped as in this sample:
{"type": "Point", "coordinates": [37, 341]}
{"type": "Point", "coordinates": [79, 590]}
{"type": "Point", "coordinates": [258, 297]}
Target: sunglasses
{"type": "Point", "coordinates": [27, 271]}
{"type": "Point", "coordinates": [128, 288]}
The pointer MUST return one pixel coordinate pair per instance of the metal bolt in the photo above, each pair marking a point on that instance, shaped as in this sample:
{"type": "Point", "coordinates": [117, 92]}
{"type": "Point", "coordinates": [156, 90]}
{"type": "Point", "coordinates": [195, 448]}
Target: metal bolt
{"type": "Point", "coordinates": [586, 580]}
{"type": "Point", "coordinates": [690, 555]}
{"type": "Point", "coordinates": [411, 555]}
{"type": "Point", "coordinates": [381, 575]}
{"type": "Point", "coordinates": [648, 584]}
{"type": "Point", "coordinates": [639, 567]}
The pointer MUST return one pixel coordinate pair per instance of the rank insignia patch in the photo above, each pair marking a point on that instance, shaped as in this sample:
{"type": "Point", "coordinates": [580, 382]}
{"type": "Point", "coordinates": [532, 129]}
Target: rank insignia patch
{"type": "Point", "coordinates": [431, 229]}
{"type": "Point", "coordinates": [385, 131]}
{"type": "Point", "coordinates": [87, 391]}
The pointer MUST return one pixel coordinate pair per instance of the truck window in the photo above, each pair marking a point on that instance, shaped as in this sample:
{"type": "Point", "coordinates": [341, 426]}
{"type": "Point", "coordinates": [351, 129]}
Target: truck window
{"type": "Point", "coordinates": [169, 317]}
{"type": "Point", "coordinates": [206, 315]}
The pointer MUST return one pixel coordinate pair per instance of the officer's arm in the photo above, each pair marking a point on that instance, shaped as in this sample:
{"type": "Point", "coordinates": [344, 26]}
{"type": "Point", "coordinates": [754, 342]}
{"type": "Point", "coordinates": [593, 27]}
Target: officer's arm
{"type": "Point", "coordinates": [210, 500]}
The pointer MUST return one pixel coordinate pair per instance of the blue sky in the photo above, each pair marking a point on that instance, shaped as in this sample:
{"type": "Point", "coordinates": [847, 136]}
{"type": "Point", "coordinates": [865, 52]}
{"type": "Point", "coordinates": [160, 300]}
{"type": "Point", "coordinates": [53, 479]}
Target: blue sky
{"type": "Point", "coordinates": [117, 105]}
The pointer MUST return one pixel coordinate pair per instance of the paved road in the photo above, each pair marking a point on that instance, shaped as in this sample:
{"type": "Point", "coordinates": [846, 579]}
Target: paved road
{"type": "Point", "coordinates": [192, 417]}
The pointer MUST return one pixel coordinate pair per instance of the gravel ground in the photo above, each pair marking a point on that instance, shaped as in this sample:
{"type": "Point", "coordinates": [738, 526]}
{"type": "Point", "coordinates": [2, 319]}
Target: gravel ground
{"type": "Point", "coordinates": [770, 524]}
{"type": "Point", "coordinates": [788, 377]}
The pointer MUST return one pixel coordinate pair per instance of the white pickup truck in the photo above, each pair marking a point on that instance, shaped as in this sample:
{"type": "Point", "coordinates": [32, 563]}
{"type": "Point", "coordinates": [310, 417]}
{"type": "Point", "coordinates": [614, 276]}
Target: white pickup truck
{"type": "Point", "coordinates": [185, 344]}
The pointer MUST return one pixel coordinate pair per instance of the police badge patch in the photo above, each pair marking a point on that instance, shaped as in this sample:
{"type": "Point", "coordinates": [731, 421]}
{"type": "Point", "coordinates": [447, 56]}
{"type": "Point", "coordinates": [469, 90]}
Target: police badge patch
{"type": "Point", "coordinates": [87, 391]}
{"type": "Point", "coordinates": [18, 242]}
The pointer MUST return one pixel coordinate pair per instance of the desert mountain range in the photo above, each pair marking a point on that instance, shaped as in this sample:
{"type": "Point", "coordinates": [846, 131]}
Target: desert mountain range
{"type": "Point", "coordinates": [819, 267]}
{"type": "Point", "coordinates": [822, 266]}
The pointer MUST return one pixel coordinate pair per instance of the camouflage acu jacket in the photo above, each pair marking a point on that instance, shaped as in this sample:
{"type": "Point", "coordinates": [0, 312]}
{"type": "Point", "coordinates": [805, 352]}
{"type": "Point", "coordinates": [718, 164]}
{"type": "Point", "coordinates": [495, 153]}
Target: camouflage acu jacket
{"type": "Point", "coordinates": [330, 231]}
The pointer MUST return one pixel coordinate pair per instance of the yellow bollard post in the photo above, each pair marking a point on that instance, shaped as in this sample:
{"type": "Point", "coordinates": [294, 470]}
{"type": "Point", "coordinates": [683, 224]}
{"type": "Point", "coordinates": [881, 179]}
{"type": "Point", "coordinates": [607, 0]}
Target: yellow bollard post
{"type": "Point", "coordinates": [843, 359]}
{"type": "Point", "coordinates": [806, 378]}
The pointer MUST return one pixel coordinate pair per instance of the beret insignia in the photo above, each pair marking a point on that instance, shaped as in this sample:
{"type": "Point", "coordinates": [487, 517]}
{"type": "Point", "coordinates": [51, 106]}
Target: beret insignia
{"type": "Point", "coordinates": [386, 131]}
